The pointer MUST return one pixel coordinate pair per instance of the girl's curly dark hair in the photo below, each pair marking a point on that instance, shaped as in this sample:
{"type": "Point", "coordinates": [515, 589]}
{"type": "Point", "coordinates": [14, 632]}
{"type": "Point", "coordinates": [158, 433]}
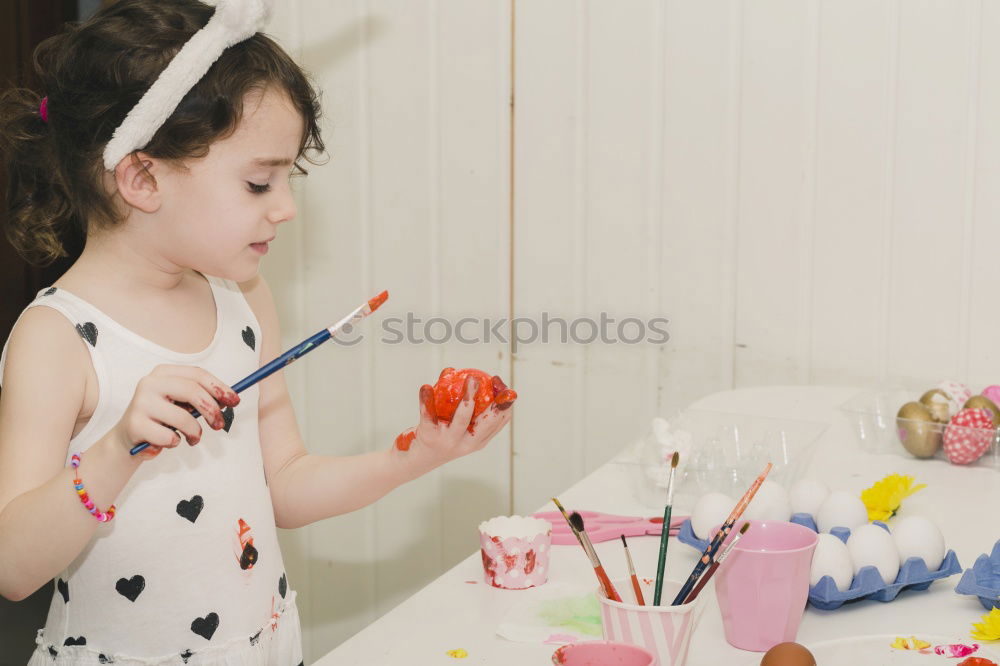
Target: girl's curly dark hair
{"type": "Point", "coordinates": [93, 73]}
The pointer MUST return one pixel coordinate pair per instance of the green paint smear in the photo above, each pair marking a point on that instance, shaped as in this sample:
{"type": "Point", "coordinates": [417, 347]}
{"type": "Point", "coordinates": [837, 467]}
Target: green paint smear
{"type": "Point", "coordinates": [579, 614]}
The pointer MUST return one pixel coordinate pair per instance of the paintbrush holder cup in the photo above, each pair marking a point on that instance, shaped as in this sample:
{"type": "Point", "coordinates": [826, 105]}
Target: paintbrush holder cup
{"type": "Point", "coordinates": [663, 630]}
{"type": "Point", "coordinates": [515, 551]}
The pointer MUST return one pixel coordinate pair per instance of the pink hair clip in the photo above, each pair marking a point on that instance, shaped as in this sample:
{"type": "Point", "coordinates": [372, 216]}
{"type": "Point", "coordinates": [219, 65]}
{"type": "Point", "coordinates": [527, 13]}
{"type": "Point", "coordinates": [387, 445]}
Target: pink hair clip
{"type": "Point", "coordinates": [43, 109]}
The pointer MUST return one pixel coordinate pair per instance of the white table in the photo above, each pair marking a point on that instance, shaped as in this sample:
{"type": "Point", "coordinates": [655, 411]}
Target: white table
{"type": "Point", "coordinates": [450, 613]}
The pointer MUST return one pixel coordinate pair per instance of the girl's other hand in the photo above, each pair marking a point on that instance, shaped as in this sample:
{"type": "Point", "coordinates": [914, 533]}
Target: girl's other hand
{"type": "Point", "coordinates": [159, 411]}
{"type": "Point", "coordinates": [439, 442]}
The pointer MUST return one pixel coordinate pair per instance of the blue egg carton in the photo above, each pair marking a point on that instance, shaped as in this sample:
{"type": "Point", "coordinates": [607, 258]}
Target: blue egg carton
{"type": "Point", "coordinates": [687, 536]}
{"type": "Point", "coordinates": [868, 583]}
{"type": "Point", "coordinates": [983, 579]}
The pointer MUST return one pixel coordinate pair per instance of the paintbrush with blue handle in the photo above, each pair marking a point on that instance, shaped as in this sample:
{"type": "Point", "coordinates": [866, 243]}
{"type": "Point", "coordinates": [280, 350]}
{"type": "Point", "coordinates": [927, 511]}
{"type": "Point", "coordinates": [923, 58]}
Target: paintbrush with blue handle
{"type": "Point", "coordinates": [297, 351]}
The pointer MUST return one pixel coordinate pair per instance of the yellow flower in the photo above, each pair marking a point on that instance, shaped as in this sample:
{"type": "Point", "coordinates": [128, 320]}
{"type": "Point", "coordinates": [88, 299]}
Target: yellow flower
{"type": "Point", "coordinates": [883, 499]}
{"type": "Point", "coordinates": [989, 628]}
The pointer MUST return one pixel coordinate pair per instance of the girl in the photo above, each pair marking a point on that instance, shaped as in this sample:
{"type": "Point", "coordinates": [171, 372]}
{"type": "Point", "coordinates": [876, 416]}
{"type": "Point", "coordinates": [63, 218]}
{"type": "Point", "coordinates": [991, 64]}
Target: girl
{"type": "Point", "coordinates": [178, 203]}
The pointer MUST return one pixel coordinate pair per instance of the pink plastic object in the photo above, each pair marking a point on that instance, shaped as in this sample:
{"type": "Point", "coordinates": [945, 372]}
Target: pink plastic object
{"type": "Point", "coordinates": [763, 585]}
{"type": "Point", "coordinates": [663, 630]}
{"type": "Point", "coordinates": [515, 563]}
{"type": "Point", "coordinates": [604, 527]}
{"type": "Point", "coordinates": [605, 653]}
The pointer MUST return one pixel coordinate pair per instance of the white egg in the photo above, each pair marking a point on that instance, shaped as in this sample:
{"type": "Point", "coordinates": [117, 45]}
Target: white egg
{"type": "Point", "coordinates": [870, 545]}
{"type": "Point", "coordinates": [711, 510]}
{"type": "Point", "coordinates": [831, 558]}
{"type": "Point", "coordinates": [841, 509]}
{"type": "Point", "coordinates": [808, 495]}
{"type": "Point", "coordinates": [770, 503]}
{"type": "Point", "coordinates": [916, 536]}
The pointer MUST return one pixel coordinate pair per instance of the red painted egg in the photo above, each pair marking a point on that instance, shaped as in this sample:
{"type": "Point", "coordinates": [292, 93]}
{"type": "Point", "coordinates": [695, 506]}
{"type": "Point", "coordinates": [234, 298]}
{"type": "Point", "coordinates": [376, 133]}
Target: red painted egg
{"type": "Point", "coordinates": [450, 389]}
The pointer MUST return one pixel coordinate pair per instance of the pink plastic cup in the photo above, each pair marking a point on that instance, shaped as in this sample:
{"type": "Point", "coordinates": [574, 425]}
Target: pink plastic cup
{"type": "Point", "coordinates": [763, 585]}
{"type": "Point", "coordinates": [605, 653]}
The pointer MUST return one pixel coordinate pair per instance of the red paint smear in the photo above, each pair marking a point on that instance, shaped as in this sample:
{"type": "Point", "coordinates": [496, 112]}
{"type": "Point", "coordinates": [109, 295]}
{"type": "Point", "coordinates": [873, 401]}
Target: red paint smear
{"type": "Point", "coordinates": [529, 565]}
{"type": "Point", "coordinates": [956, 649]}
{"type": "Point", "coordinates": [490, 565]}
{"type": "Point", "coordinates": [509, 561]}
{"type": "Point", "coordinates": [977, 661]}
{"type": "Point", "coordinates": [378, 300]}
{"type": "Point", "coordinates": [404, 440]}
{"type": "Point", "coordinates": [472, 582]}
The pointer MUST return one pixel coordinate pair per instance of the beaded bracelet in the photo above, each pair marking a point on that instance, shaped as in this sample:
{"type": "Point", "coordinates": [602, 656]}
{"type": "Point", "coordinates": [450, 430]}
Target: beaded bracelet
{"type": "Point", "coordinates": [103, 516]}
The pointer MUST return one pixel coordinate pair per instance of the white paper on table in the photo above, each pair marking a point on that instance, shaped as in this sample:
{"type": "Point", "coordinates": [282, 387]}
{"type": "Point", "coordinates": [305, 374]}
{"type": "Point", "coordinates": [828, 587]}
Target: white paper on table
{"type": "Point", "coordinates": [562, 614]}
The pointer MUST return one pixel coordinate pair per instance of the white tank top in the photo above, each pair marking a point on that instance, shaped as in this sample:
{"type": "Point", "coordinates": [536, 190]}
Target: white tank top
{"type": "Point", "coordinates": [189, 571]}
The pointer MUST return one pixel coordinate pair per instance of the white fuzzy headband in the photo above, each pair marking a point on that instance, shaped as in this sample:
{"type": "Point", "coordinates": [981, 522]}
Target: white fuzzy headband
{"type": "Point", "coordinates": [233, 22]}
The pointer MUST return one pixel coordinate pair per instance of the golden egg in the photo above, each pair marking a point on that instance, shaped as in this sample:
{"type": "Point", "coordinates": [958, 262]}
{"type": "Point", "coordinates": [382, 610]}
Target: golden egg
{"type": "Point", "coordinates": [919, 432]}
{"type": "Point", "coordinates": [788, 654]}
{"type": "Point", "coordinates": [982, 402]}
{"type": "Point", "coordinates": [936, 401]}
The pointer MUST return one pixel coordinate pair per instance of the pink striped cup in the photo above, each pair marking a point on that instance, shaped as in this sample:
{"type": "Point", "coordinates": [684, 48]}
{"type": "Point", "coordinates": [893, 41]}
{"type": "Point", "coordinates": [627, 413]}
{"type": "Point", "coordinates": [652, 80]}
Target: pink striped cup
{"type": "Point", "coordinates": [663, 630]}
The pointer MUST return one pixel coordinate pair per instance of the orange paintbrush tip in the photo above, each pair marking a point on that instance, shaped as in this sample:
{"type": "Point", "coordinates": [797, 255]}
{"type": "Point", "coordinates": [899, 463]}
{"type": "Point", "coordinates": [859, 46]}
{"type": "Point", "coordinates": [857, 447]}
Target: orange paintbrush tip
{"type": "Point", "coordinates": [378, 300]}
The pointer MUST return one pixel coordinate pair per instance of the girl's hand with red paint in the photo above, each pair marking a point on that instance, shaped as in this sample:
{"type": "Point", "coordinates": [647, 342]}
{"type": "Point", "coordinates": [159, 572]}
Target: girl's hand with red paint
{"type": "Point", "coordinates": [159, 411]}
{"type": "Point", "coordinates": [459, 415]}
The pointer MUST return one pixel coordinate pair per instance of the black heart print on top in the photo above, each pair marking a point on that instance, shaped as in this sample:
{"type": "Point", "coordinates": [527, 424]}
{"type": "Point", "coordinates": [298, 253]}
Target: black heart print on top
{"type": "Point", "coordinates": [249, 338]}
{"type": "Point", "coordinates": [282, 586]}
{"type": "Point", "coordinates": [63, 589]}
{"type": "Point", "coordinates": [206, 626]}
{"type": "Point", "coordinates": [191, 508]}
{"type": "Point", "coordinates": [187, 654]}
{"type": "Point", "coordinates": [88, 332]}
{"type": "Point", "coordinates": [49, 291]}
{"type": "Point", "coordinates": [80, 640]}
{"type": "Point", "coordinates": [227, 418]}
{"type": "Point", "coordinates": [131, 588]}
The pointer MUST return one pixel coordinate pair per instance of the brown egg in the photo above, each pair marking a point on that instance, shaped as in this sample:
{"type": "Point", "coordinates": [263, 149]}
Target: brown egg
{"type": "Point", "coordinates": [982, 402]}
{"type": "Point", "coordinates": [936, 401]}
{"type": "Point", "coordinates": [918, 432]}
{"type": "Point", "coordinates": [788, 654]}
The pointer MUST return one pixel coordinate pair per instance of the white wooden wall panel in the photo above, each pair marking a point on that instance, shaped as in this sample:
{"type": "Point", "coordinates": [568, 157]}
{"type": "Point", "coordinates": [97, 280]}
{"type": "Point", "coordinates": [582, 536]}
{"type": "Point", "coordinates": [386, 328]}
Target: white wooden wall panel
{"type": "Point", "coordinates": [806, 189]}
{"type": "Point", "coordinates": [856, 92]}
{"type": "Point", "coordinates": [924, 330]}
{"type": "Point", "coordinates": [984, 354]}
{"type": "Point", "coordinates": [774, 228]}
{"type": "Point", "coordinates": [549, 245]}
{"type": "Point", "coordinates": [700, 152]}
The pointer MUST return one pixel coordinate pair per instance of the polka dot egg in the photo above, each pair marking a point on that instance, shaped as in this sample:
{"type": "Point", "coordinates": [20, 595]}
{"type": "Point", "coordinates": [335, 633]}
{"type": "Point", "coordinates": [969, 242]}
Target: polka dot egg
{"type": "Point", "coordinates": [968, 436]}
